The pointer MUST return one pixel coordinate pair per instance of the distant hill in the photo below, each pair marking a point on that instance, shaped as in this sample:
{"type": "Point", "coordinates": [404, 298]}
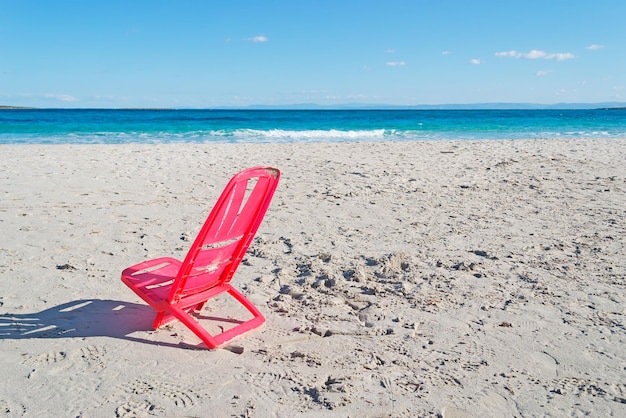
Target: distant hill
{"type": "Point", "coordinates": [374, 106]}
{"type": "Point", "coordinates": [470, 106]}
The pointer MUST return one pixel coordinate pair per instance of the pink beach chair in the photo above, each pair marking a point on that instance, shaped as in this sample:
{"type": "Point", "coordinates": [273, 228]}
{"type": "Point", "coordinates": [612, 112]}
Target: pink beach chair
{"type": "Point", "coordinates": [179, 290]}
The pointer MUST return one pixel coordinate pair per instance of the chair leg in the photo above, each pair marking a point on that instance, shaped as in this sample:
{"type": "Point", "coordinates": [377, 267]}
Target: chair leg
{"type": "Point", "coordinates": [158, 320]}
{"type": "Point", "coordinates": [245, 302]}
{"type": "Point", "coordinates": [220, 340]}
{"type": "Point", "coordinates": [162, 318]}
{"type": "Point", "coordinates": [185, 317]}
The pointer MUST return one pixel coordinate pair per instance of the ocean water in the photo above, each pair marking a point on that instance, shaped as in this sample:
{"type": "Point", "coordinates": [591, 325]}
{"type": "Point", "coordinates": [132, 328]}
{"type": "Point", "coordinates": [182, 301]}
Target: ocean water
{"type": "Point", "coordinates": [107, 126]}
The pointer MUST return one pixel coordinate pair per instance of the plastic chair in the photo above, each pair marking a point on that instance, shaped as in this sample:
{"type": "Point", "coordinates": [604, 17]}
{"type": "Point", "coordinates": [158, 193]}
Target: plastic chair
{"type": "Point", "coordinates": [179, 290]}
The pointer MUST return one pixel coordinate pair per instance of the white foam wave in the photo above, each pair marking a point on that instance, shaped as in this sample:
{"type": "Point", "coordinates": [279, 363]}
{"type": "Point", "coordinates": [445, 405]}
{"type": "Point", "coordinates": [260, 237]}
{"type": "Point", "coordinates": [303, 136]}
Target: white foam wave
{"type": "Point", "coordinates": [284, 136]}
{"type": "Point", "coordinates": [275, 134]}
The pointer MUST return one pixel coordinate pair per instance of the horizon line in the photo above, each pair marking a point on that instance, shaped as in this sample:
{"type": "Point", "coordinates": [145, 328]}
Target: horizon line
{"type": "Point", "coordinates": [364, 106]}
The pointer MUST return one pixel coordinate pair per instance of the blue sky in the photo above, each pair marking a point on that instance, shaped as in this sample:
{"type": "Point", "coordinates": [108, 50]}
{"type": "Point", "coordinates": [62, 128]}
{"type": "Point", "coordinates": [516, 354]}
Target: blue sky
{"type": "Point", "coordinates": [192, 53]}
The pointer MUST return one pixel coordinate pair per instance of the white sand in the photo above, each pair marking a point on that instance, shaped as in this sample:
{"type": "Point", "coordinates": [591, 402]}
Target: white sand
{"type": "Point", "coordinates": [398, 279]}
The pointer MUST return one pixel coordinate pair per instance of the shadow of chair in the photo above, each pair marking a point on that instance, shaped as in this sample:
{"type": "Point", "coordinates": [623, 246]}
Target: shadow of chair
{"type": "Point", "coordinates": [79, 319]}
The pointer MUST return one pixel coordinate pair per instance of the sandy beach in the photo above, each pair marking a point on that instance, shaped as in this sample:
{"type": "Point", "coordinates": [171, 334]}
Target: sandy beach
{"type": "Point", "coordinates": [405, 279]}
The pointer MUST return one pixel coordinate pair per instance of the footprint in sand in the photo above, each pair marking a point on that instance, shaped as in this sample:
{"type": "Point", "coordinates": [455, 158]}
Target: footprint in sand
{"type": "Point", "coordinates": [45, 358]}
{"type": "Point", "coordinates": [93, 355]}
{"type": "Point", "coordinates": [264, 380]}
{"type": "Point", "coordinates": [437, 378]}
{"type": "Point", "coordinates": [180, 396]}
{"type": "Point", "coordinates": [477, 353]}
{"type": "Point", "coordinates": [406, 383]}
{"type": "Point", "coordinates": [137, 409]}
{"type": "Point", "coordinates": [277, 387]}
{"type": "Point", "coordinates": [469, 366]}
{"type": "Point", "coordinates": [274, 334]}
{"type": "Point", "coordinates": [10, 409]}
{"type": "Point", "coordinates": [527, 325]}
{"type": "Point", "coordinates": [578, 387]}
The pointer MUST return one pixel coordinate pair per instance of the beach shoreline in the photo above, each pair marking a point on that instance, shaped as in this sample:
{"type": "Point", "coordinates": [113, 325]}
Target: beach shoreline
{"type": "Point", "coordinates": [459, 278]}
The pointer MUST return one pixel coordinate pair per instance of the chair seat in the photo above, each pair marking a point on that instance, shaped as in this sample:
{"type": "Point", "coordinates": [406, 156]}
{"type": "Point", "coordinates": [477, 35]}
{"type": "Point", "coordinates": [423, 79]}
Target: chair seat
{"type": "Point", "coordinates": [152, 280]}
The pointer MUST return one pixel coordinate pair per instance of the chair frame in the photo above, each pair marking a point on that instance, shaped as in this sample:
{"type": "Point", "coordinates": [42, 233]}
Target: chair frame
{"type": "Point", "coordinates": [178, 290]}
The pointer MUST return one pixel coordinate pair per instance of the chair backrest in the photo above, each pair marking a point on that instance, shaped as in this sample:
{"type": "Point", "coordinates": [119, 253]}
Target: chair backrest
{"type": "Point", "coordinates": [227, 233]}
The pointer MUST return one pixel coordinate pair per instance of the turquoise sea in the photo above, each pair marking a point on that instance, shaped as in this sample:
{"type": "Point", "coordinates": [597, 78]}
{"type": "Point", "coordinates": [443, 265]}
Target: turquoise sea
{"type": "Point", "coordinates": [108, 126]}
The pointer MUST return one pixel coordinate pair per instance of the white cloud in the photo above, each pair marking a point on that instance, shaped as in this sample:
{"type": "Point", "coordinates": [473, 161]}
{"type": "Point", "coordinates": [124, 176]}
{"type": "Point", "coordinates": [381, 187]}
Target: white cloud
{"type": "Point", "coordinates": [542, 73]}
{"type": "Point", "coordinates": [390, 51]}
{"type": "Point", "coordinates": [395, 64]}
{"type": "Point", "coordinates": [594, 47]}
{"type": "Point", "coordinates": [446, 53]}
{"type": "Point", "coordinates": [61, 97]}
{"type": "Point", "coordinates": [511, 53]}
{"type": "Point", "coordinates": [476, 61]}
{"type": "Point", "coordinates": [258, 39]}
{"type": "Point", "coordinates": [536, 54]}
{"type": "Point", "coordinates": [560, 56]}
